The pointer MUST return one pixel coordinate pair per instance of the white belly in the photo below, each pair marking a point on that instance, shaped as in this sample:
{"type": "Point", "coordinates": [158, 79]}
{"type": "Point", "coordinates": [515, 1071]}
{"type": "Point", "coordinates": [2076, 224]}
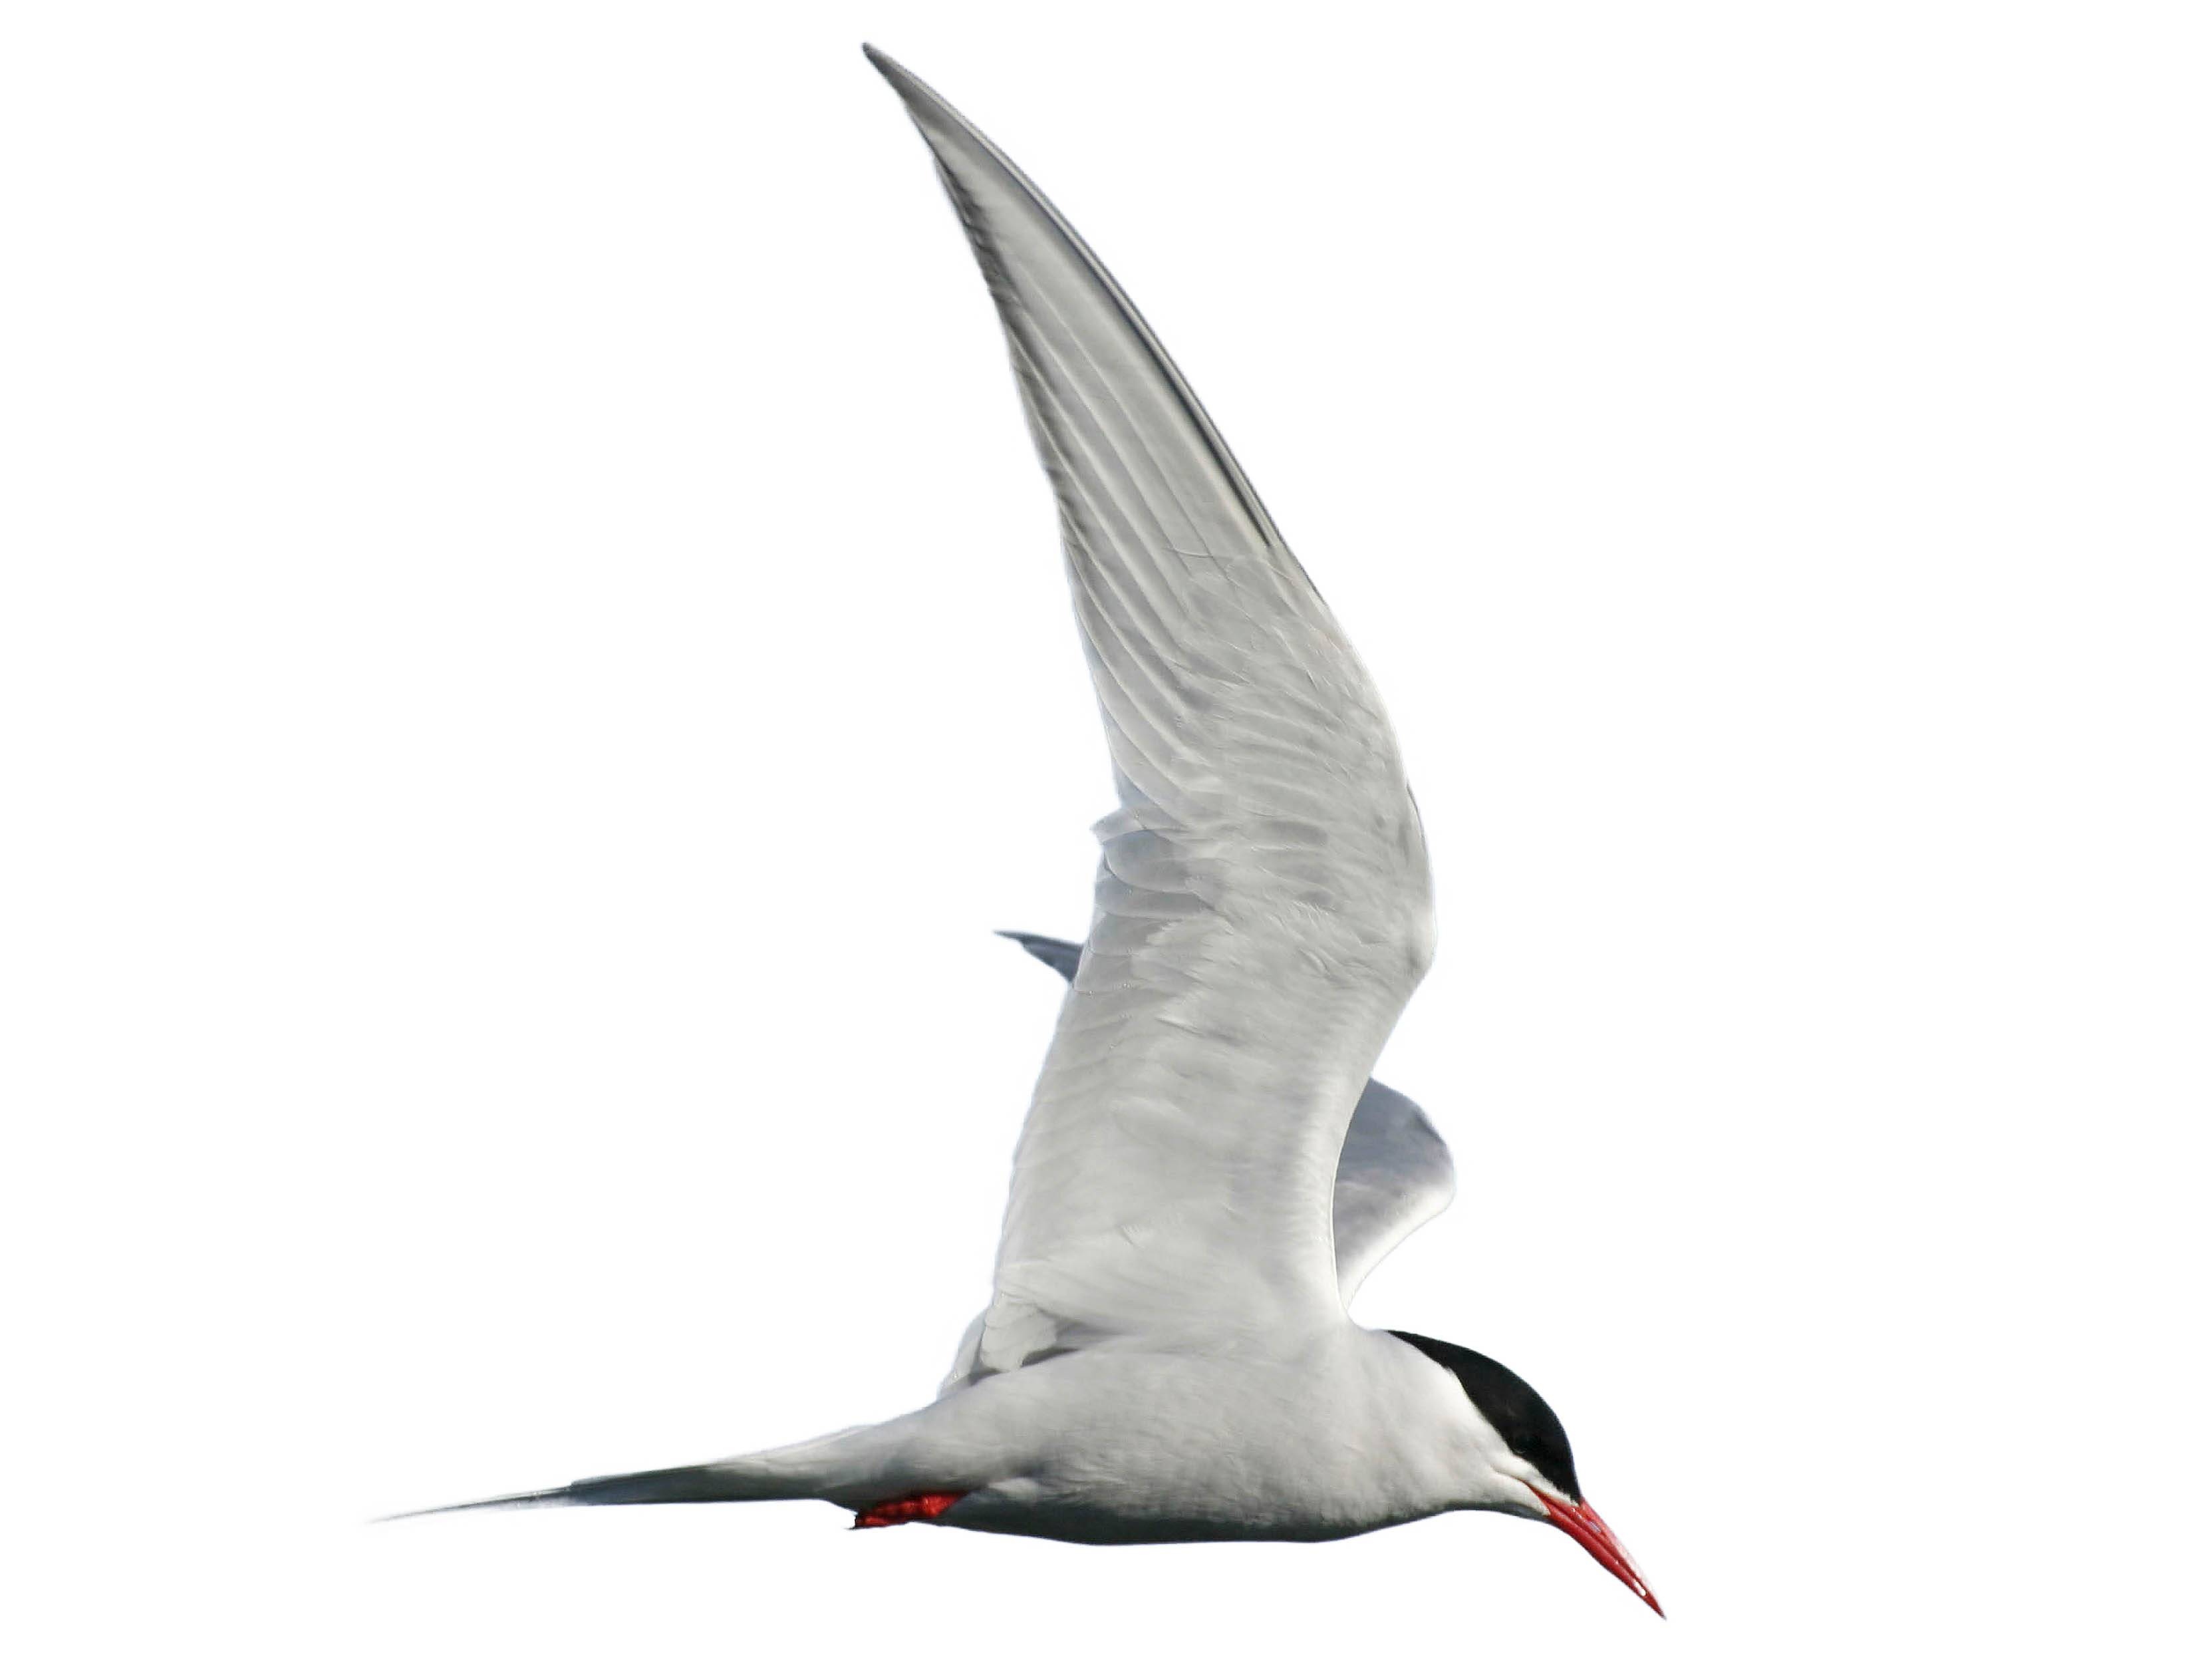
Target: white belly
{"type": "Point", "coordinates": [1119, 1447]}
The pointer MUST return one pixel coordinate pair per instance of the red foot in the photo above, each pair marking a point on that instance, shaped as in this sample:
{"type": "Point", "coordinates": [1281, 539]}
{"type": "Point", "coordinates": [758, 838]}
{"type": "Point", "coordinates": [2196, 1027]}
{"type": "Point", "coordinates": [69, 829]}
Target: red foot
{"type": "Point", "coordinates": [922, 1506]}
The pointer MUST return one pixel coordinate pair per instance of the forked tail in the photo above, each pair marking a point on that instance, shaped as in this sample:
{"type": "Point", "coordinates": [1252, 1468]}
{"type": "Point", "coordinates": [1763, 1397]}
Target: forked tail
{"type": "Point", "coordinates": [855, 1468]}
{"type": "Point", "coordinates": [696, 1483]}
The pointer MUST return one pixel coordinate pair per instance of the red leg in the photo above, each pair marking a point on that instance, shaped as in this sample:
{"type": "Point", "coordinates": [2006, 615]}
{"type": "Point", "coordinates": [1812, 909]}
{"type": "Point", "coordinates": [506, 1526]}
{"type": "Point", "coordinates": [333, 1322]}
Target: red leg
{"type": "Point", "coordinates": [922, 1506]}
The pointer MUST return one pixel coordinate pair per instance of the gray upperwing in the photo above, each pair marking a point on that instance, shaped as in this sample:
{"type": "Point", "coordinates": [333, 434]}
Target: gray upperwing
{"type": "Point", "coordinates": [1394, 1173]}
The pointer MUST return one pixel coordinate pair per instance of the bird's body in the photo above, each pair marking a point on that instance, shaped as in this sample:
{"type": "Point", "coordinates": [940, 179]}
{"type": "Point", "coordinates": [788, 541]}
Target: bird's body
{"type": "Point", "coordinates": [1207, 1172]}
{"type": "Point", "coordinates": [1148, 1446]}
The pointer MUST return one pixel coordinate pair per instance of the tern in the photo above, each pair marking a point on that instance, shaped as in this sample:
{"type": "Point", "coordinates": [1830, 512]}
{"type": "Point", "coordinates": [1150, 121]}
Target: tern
{"type": "Point", "coordinates": [1207, 1172]}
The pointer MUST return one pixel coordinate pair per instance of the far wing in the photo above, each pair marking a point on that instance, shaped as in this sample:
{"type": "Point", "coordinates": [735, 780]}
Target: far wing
{"type": "Point", "coordinates": [1262, 905]}
{"type": "Point", "coordinates": [1394, 1175]}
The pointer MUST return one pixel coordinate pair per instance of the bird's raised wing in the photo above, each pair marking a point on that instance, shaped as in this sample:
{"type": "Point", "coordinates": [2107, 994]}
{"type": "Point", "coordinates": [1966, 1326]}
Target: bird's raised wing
{"type": "Point", "coordinates": [1394, 1173]}
{"type": "Point", "coordinates": [1262, 904]}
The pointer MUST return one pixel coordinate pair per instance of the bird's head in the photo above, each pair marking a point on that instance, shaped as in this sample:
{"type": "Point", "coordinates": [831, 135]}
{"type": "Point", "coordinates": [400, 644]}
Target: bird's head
{"type": "Point", "coordinates": [1526, 1467]}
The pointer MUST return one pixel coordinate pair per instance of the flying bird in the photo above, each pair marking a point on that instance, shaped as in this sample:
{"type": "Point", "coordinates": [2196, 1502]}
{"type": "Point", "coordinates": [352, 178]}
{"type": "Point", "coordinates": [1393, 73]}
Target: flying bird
{"type": "Point", "coordinates": [1207, 1172]}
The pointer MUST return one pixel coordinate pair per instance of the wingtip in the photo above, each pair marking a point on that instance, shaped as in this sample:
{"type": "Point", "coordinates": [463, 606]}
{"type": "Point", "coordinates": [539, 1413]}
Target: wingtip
{"type": "Point", "coordinates": [901, 77]}
{"type": "Point", "coordinates": [923, 101]}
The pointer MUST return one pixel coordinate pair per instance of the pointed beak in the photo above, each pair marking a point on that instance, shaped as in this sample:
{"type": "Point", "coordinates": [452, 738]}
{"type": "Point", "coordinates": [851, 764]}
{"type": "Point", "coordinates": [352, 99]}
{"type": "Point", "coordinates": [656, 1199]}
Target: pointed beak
{"type": "Point", "coordinates": [1587, 1528]}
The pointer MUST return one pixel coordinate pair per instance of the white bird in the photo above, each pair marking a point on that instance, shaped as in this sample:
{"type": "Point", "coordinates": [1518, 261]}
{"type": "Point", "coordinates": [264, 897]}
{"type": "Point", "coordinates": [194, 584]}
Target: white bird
{"type": "Point", "coordinates": [1202, 1183]}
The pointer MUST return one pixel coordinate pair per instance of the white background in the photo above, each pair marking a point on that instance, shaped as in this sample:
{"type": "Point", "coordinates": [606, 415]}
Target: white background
{"type": "Point", "coordinates": [532, 658]}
